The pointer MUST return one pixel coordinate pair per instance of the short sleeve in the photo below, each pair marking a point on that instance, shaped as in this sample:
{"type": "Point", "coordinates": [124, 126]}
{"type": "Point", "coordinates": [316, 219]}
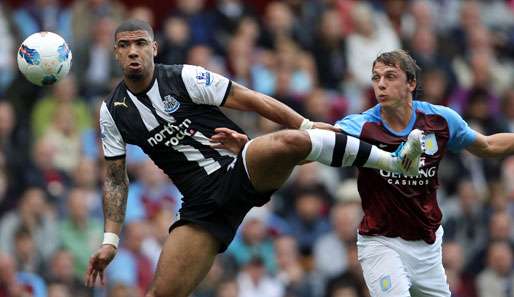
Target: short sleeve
{"type": "Point", "coordinates": [113, 143]}
{"type": "Point", "coordinates": [205, 87]}
{"type": "Point", "coordinates": [461, 135]}
{"type": "Point", "coordinates": [352, 124]}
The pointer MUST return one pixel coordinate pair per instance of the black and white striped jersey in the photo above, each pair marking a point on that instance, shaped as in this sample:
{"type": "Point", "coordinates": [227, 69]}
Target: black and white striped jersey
{"type": "Point", "coordinates": [172, 122]}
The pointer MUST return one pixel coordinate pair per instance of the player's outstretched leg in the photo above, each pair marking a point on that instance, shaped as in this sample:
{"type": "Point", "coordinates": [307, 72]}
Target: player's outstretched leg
{"type": "Point", "coordinates": [338, 150]}
{"type": "Point", "coordinates": [269, 159]}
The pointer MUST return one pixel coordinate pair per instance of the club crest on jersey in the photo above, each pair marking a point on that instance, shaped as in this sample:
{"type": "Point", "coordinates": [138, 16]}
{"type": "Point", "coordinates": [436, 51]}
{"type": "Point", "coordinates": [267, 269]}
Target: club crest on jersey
{"type": "Point", "coordinates": [170, 104]}
{"type": "Point", "coordinates": [204, 77]}
{"type": "Point", "coordinates": [431, 144]}
{"type": "Point", "coordinates": [385, 283]}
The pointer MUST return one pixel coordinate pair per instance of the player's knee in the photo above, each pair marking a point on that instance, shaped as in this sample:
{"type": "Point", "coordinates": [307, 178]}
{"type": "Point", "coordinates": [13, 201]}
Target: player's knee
{"type": "Point", "coordinates": [291, 142]}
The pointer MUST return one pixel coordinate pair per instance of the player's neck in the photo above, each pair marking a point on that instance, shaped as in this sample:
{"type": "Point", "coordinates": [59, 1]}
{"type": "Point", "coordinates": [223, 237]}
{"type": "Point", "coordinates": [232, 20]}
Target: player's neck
{"type": "Point", "coordinates": [138, 86]}
{"type": "Point", "coordinates": [397, 117]}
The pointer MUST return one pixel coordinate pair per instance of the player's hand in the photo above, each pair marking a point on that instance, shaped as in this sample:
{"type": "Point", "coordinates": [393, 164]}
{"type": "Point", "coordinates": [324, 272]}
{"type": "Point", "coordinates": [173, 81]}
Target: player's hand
{"type": "Point", "coordinates": [325, 126]}
{"type": "Point", "coordinates": [97, 264]}
{"type": "Point", "coordinates": [228, 139]}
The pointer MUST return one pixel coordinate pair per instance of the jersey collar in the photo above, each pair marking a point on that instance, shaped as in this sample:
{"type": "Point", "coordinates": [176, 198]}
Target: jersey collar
{"type": "Point", "coordinates": [407, 129]}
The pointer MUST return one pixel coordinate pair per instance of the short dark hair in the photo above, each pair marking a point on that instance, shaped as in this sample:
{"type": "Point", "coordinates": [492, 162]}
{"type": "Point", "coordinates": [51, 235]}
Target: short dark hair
{"type": "Point", "coordinates": [399, 58]}
{"type": "Point", "coordinates": [134, 25]}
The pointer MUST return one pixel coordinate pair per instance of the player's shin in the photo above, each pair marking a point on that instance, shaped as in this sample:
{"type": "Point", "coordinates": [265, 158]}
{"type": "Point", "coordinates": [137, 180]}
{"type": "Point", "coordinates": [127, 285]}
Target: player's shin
{"type": "Point", "coordinates": [341, 150]}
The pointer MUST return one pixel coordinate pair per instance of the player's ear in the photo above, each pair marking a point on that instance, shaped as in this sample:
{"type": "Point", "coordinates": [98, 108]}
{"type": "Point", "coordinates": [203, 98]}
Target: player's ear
{"type": "Point", "coordinates": [115, 52]}
{"type": "Point", "coordinates": [155, 48]}
{"type": "Point", "coordinates": [412, 85]}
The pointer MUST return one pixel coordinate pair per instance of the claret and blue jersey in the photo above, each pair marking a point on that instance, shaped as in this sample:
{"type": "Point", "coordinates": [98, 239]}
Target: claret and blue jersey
{"type": "Point", "coordinates": [396, 205]}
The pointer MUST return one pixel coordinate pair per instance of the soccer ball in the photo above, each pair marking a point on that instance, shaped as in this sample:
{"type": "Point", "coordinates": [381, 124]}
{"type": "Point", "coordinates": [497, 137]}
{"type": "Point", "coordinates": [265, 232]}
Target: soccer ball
{"type": "Point", "coordinates": [44, 58]}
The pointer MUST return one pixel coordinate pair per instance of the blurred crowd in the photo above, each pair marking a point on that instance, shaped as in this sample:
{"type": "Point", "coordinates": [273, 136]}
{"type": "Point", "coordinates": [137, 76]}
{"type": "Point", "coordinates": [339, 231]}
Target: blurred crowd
{"type": "Point", "coordinates": [315, 56]}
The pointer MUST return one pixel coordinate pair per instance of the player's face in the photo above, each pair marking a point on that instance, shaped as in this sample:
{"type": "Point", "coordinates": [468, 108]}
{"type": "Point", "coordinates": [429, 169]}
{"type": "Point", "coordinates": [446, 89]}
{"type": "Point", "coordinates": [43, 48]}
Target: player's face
{"type": "Point", "coordinates": [390, 85]}
{"type": "Point", "coordinates": [135, 51]}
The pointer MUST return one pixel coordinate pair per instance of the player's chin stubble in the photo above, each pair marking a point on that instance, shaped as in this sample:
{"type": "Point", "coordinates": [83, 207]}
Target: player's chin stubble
{"type": "Point", "coordinates": [134, 76]}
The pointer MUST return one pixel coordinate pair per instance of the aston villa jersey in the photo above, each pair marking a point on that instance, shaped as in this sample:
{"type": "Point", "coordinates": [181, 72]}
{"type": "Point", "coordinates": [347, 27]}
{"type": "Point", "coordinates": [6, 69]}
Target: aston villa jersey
{"type": "Point", "coordinates": [406, 206]}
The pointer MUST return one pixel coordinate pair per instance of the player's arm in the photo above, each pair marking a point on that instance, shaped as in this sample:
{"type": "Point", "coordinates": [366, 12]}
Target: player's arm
{"type": "Point", "coordinates": [115, 192]}
{"type": "Point", "coordinates": [115, 195]}
{"type": "Point", "coordinates": [242, 98]}
{"type": "Point", "coordinates": [496, 145]}
{"type": "Point", "coordinates": [114, 204]}
{"type": "Point", "coordinates": [205, 87]}
{"type": "Point", "coordinates": [464, 137]}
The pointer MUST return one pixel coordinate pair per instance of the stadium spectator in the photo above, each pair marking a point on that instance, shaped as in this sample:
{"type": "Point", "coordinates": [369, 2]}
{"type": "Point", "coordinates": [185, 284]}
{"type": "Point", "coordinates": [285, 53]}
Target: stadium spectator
{"type": "Point", "coordinates": [43, 15]}
{"type": "Point", "coordinates": [254, 280]}
{"type": "Point", "coordinates": [508, 108]}
{"type": "Point", "coordinates": [461, 283]}
{"type": "Point", "coordinates": [64, 93]}
{"type": "Point", "coordinates": [435, 87]}
{"type": "Point", "coordinates": [308, 222]}
{"type": "Point", "coordinates": [131, 266]}
{"type": "Point", "coordinates": [9, 286]}
{"type": "Point", "coordinates": [254, 241]}
{"type": "Point", "coordinates": [64, 136]}
{"type": "Point", "coordinates": [329, 50]}
{"type": "Point", "coordinates": [143, 13]}
{"type": "Point", "coordinates": [464, 218]}
{"type": "Point", "coordinates": [79, 233]}
{"type": "Point", "coordinates": [352, 278]}
{"type": "Point", "coordinates": [290, 269]}
{"type": "Point", "coordinates": [498, 277]}
{"type": "Point", "coordinates": [43, 173]}
{"type": "Point", "coordinates": [420, 14]}
{"type": "Point", "coordinates": [330, 251]}
{"type": "Point", "coordinates": [61, 272]}
{"type": "Point", "coordinates": [499, 229]}
{"type": "Point", "coordinates": [151, 193]}
{"type": "Point", "coordinates": [371, 35]}
{"type": "Point", "coordinates": [25, 252]}
{"type": "Point", "coordinates": [199, 20]}
{"type": "Point", "coordinates": [424, 49]}
{"type": "Point", "coordinates": [203, 56]}
{"type": "Point", "coordinates": [279, 24]}
{"type": "Point", "coordinates": [86, 178]}
{"type": "Point", "coordinates": [34, 214]}
{"type": "Point", "coordinates": [7, 39]}
{"type": "Point", "coordinates": [14, 148]}
{"type": "Point", "coordinates": [228, 16]}
{"type": "Point", "coordinates": [175, 41]}
{"type": "Point", "coordinates": [87, 12]}
{"type": "Point", "coordinates": [93, 64]}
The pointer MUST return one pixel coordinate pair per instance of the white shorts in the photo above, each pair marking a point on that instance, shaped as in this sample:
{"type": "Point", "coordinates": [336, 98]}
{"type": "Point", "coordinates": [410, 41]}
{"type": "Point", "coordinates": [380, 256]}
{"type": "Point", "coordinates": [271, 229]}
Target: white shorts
{"type": "Point", "coordinates": [401, 268]}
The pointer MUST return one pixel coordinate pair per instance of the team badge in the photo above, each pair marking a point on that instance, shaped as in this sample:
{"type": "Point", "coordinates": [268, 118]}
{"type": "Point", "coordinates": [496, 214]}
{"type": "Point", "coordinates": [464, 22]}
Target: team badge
{"type": "Point", "coordinates": [170, 104]}
{"type": "Point", "coordinates": [385, 283]}
{"type": "Point", "coordinates": [431, 144]}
